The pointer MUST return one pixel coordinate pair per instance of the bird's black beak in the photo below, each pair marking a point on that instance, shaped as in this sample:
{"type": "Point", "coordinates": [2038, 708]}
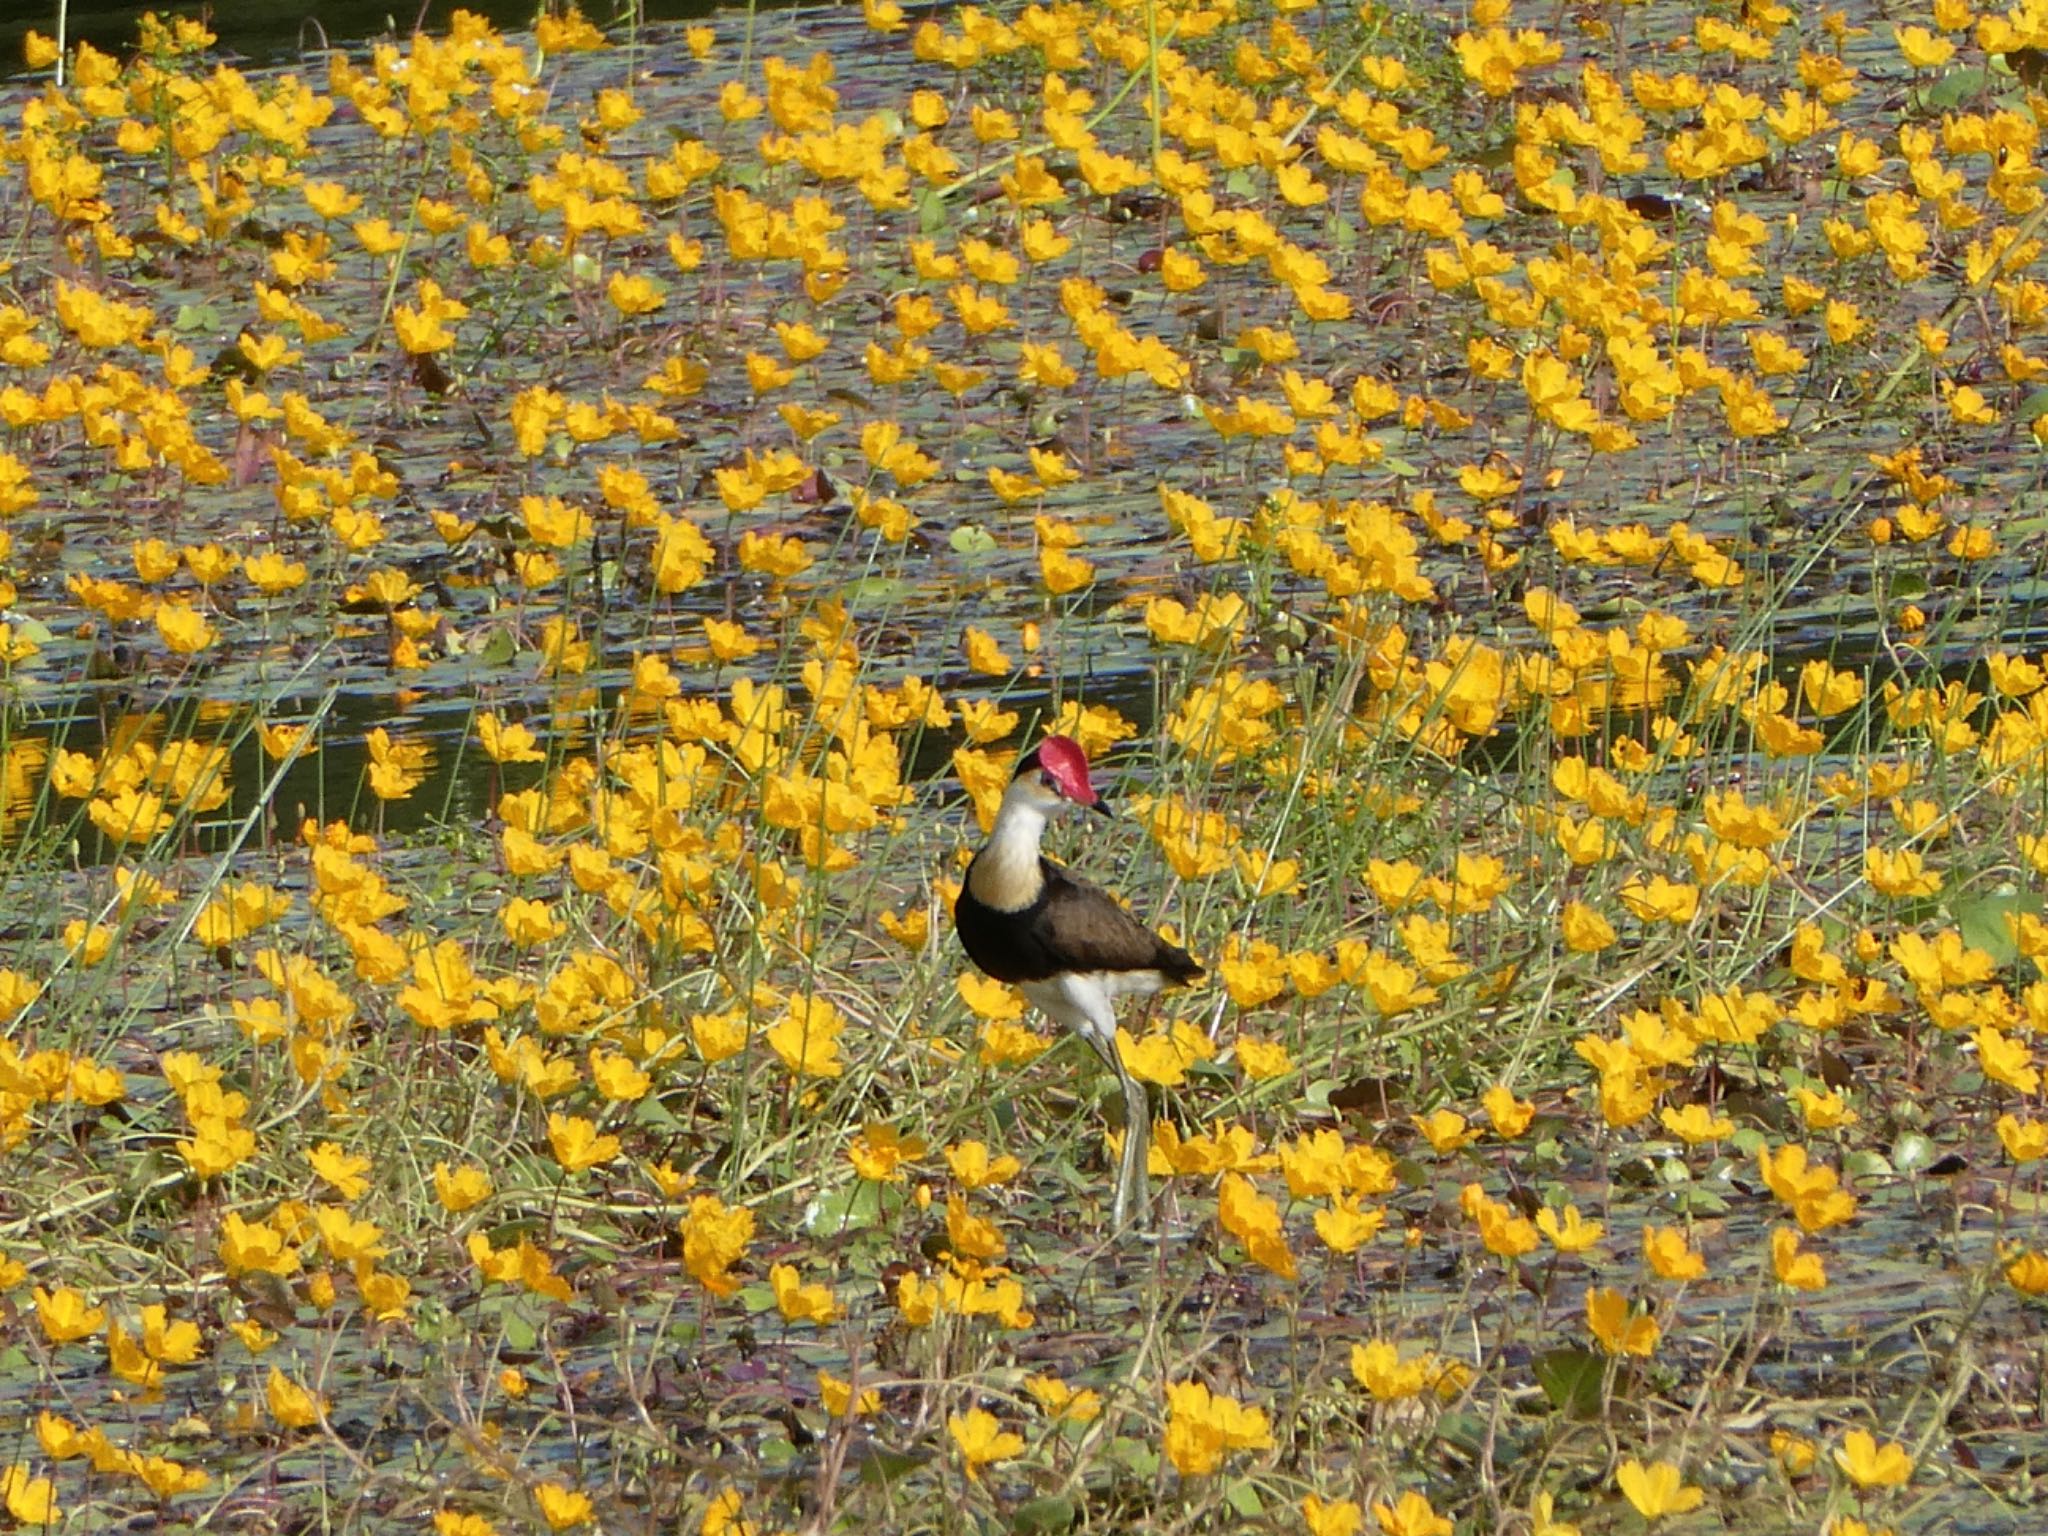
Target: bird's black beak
{"type": "Point", "coordinates": [1101, 807]}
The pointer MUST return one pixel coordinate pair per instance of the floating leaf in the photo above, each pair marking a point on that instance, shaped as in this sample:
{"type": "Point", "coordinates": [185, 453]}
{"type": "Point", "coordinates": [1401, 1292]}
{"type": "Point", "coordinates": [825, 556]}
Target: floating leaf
{"type": "Point", "coordinates": [1045, 1517]}
{"type": "Point", "coordinates": [1955, 87]}
{"type": "Point", "coordinates": [882, 1466]}
{"type": "Point", "coordinates": [1571, 1379]}
{"type": "Point", "coordinates": [845, 1209]}
{"type": "Point", "coordinates": [1914, 1152]}
{"type": "Point", "coordinates": [1982, 923]}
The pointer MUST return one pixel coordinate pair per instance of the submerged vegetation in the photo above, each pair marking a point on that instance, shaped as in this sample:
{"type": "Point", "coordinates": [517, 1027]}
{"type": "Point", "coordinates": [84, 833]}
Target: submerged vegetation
{"type": "Point", "coordinates": [527, 559]}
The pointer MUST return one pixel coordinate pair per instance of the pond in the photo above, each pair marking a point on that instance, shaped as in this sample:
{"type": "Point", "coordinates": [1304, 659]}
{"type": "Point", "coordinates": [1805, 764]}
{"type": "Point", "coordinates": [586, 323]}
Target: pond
{"type": "Point", "coordinates": [823, 412]}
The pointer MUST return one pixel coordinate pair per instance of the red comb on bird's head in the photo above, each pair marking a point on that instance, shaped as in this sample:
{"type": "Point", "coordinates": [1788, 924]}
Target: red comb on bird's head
{"type": "Point", "coordinates": [1061, 760]}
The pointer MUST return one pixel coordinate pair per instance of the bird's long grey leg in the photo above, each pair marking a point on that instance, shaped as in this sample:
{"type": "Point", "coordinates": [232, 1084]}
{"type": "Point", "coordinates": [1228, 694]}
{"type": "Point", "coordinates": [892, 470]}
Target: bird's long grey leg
{"type": "Point", "coordinates": [1133, 1187]}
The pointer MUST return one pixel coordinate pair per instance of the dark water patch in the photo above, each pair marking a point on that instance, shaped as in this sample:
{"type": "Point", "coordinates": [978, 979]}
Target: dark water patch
{"type": "Point", "coordinates": [262, 32]}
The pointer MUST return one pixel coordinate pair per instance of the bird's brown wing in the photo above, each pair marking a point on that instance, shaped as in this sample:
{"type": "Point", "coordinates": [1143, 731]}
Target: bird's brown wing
{"type": "Point", "coordinates": [1091, 931]}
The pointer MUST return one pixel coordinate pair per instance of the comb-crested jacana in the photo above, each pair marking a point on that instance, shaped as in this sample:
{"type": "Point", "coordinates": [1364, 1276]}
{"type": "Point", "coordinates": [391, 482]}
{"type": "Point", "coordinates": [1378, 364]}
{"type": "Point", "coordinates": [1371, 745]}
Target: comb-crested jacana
{"type": "Point", "coordinates": [1070, 947]}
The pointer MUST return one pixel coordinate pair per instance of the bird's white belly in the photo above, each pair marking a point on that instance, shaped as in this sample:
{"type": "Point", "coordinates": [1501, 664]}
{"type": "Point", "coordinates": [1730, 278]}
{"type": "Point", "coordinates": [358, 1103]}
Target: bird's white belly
{"type": "Point", "coordinates": [1085, 1001]}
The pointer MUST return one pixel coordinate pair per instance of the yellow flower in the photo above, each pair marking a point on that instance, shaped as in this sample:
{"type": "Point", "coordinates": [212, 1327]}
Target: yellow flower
{"type": "Point", "coordinates": [458, 1189]}
{"type": "Point", "coordinates": [1061, 1401]}
{"type": "Point", "coordinates": [1503, 1232]}
{"type": "Point", "coordinates": [1254, 1220]}
{"type": "Point", "coordinates": [528, 924]}
{"type": "Point", "coordinates": [1262, 1060]}
{"type": "Point", "coordinates": [617, 1076]}
{"type": "Point", "coordinates": [1394, 988]}
{"type": "Point", "coordinates": [715, 1237]}
{"type": "Point", "coordinates": [2025, 1141]}
{"type": "Point", "coordinates": [1164, 1056]}
{"type": "Point", "coordinates": [1203, 1427]}
{"type": "Point", "coordinates": [773, 555]}
{"type": "Point", "coordinates": [729, 641]}
{"type": "Point", "coordinates": [1899, 873]}
{"type": "Point", "coordinates": [1870, 1465]}
{"type": "Point", "coordinates": [247, 1247]}
{"type": "Point", "coordinates": [800, 1303]}
{"type": "Point", "coordinates": [30, 1500]}
{"type": "Point", "coordinates": [345, 1238]}
{"type": "Point", "coordinates": [973, 1168]}
{"type": "Point", "coordinates": [666, 1180]}
{"type": "Point", "coordinates": [1345, 1226]}
{"type": "Point", "coordinates": [718, 1035]}
{"type": "Point", "coordinates": [1063, 572]}
{"type": "Point", "coordinates": [1339, 1517]}
{"type": "Point", "coordinates": [807, 1038]}
{"type": "Point", "coordinates": [2027, 1273]}
{"type": "Point", "coordinates": [183, 628]}
{"type": "Point", "coordinates": [291, 1404]}
{"type": "Point", "coordinates": [1584, 928]}
{"type": "Point", "coordinates": [1510, 1115]}
{"type": "Point", "coordinates": [89, 942]}
{"type": "Point", "coordinates": [339, 1169]}
{"type": "Point", "coordinates": [252, 1334]}
{"type": "Point", "coordinates": [982, 1439]}
{"type": "Point", "coordinates": [164, 1477]}
{"type": "Point", "coordinates": [988, 998]}
{"type": "Point", "coordinates": [1378, 1368]}
{"type": "Point", "coordinates": [1619, 1333]}
{"type": "Point", "coordinates": [1922, 49]}
{"type": "Point", "coordinates": [1657, 1490]}
{"type": "Point", "coordinates": [577, 1144]}
{"type": "Point", "coordinates": [127, 1360]}
{"type": "Point", "coordinates": [65, 1317]}
{"type": "Point", "coordinates": [970, 1236]}
{"type": "Point", "coordinates": [633, 294]}
{"type": "Point", "coordinates": [917, 1299]}
{"type": "Point", "coordinates": [1252, 973]}
{"type": "Point", "coordinates": [1823, 1111]}
{"type": "Point", "coordinates": [722, 1515]}
{"type": "Point", "coordinates": [879, 1152]}
{"type": "Point", "coordinates": [1570, 1234]}
{"type": "Point", "coordinates": [1412, 1516]}
{"type": "Point", "coordinates": [2006, 1060]}
{"type": "Point", "coordinates": [1795, 1453]}
{"type": "Point", "coordinates": [1695, 1124]}
{"type": "Point", "coordinates": [1667, 1252]}
{"type": "Point", "coordinates": [1445, 1130]}
{"type": "Point", "coordinates": [838, 1398]}
{"type": "Point", "coordinates": [1829, 692]}
{"type": "Point", "coordinates": [1009, 1044]}
{"type": "Point", "coordinates": [563, 1507]}
{"type": "Point", "coordinates": [1661, 900]}
{"type": "Point", "coordinates": [1796, 1270]}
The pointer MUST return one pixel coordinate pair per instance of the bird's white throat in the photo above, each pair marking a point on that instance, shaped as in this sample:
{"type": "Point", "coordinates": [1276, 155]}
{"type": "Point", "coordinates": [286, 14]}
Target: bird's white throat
{"type": "Point", "coordinates": [1005, 873]}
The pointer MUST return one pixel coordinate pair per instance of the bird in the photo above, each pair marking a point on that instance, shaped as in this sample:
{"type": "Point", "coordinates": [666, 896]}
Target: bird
{"type": "Point", "coordinates": [1068, 946]}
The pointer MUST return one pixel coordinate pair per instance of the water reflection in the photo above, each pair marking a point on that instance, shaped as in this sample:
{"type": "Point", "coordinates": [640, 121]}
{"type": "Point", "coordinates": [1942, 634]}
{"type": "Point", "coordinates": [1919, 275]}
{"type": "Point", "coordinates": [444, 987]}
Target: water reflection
{"type": "Point", "coordinates": [209, 758]}
{"type": "Point", "coordinates": [265, 32]}
{"type": "Point", "coordinates": [22, 766]}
